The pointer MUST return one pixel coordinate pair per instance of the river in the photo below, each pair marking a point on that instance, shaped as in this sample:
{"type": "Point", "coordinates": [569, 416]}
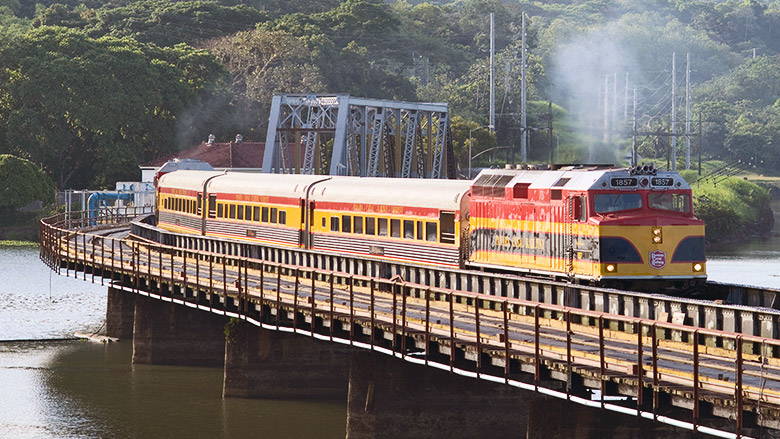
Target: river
{"type": "Point", "coordinates": [76, 389]}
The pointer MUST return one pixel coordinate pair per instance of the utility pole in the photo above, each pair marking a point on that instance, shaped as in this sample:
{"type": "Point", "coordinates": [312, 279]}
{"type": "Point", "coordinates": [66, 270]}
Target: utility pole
{"type": "Point", "coordinates": [492, 75]}
{"type": "Point", "coordinates": [625, 101]}
{"type": "Point", "coordinates": [606, 108]}
{"type": "Point", "coordinates": [674, 113]}
{"type": "Point", "coordinates": [633, 130]}
{"type": "Point", "coordinates": [523, 113]}
{"type": "Point", "coordinates": [688, 111]}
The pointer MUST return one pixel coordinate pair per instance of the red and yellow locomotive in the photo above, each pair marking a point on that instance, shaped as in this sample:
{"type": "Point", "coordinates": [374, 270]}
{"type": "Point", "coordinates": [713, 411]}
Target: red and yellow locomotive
{"type": "Point", "coordinates": [594, 224]}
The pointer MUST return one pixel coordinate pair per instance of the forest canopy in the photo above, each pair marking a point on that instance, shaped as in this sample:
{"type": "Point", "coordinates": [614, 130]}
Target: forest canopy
{"type": "Point", "coordinates": [89, 89]}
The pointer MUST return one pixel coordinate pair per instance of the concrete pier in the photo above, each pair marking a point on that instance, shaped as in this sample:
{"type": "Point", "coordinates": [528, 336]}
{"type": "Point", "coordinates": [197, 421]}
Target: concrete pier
{"type": "Point", "coordinates": [120, 314]}
{"type": "Point", "coordinates": [391, 398]}
{"type": "Point", "coordinates": [166, 333]}
{"type": "Point", "coordinates": [277, 365]}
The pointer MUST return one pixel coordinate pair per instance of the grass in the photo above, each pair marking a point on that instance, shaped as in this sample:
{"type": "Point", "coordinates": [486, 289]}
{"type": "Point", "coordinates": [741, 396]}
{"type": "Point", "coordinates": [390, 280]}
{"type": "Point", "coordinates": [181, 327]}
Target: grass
{"type": "Point", "coordinates": [18, 244]}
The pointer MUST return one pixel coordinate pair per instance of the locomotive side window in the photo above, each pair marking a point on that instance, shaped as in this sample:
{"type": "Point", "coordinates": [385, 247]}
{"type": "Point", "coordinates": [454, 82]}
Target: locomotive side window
{"type": "Point", "coordinates": [357, 224]}
{"type": "Point", "coordinates": [668, 201]}
{"type": "Point", "coordinates": [370, 226]}
{"type": "Point", "coordinates": [556, 194]}
{"type": "Point", "coordinates": [520, 190]}
{"type": "Point", "coordinates": [604, 203]}
{"type": "Point", "coordinates": [346, 223]}
{"type": "Point", "coordinates": [212, 206]}
{"type": "Point", "coordinates": [334, 224]}
{"type": "Point", "coordinates": [382, 223]}
{"type": "Point", "coordinates": [430, 231]}
{"type": "Point", "coordinates": [408, 229]}
{"type": "Point", "coordinates": [395, 228]}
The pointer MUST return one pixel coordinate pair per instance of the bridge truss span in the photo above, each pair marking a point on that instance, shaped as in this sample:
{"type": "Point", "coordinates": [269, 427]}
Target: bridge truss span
{"type": "Point", "coordinates": [694, 378]}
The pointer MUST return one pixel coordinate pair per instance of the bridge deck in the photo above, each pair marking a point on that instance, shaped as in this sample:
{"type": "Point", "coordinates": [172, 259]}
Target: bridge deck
{"type": "Point", "coordinates": [511, 339]}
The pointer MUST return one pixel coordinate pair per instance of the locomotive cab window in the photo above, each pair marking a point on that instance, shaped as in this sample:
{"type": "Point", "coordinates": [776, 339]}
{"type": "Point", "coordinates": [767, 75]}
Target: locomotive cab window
{"type": "Point", "coordinates": [669, 201]}
{"type": "Point", "coordinates": [578, 209]}
{"type": "Point", "coordinates": [604, 203]}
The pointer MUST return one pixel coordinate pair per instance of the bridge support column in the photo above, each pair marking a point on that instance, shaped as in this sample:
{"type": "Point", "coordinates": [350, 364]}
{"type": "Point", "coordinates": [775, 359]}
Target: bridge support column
{"type": "Point", "coordinates": [391, 398]}
{"type": "Point", "coordinates": [120, 311]}
{"type": "Point", "coordinates": [166, 333]}
{"type": "Point", "coordinates": [275, 365]}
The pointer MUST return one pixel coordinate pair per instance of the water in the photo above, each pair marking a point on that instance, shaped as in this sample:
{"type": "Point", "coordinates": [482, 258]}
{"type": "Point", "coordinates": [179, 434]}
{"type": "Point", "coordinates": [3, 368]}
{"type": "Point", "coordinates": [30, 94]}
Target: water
{"type": "Point", "coordinates": [753, 262]}
{"type": "Point", "coordinates": [75, 389]}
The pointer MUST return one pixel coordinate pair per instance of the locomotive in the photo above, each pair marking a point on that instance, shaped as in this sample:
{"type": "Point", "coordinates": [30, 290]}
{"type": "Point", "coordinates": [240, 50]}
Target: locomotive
{"type": "Point", "coordinates": [622, 227]}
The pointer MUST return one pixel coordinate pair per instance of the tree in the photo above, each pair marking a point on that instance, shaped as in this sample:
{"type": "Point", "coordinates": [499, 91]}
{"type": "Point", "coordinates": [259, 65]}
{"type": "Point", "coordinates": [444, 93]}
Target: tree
{"type": "Point", "coordinates": [21, 183]}
{"type": "Point", "coordinates": [89, 111]}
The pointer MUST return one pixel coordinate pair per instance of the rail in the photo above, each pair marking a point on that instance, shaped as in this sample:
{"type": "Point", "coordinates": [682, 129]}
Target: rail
{"type": "Point", "coordinates": [483, 336]}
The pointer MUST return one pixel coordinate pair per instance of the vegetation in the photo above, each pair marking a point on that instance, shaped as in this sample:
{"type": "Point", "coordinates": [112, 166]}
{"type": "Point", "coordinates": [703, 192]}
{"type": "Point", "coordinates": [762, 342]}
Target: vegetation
{"type": "Point", "coordinates": [89, 89]}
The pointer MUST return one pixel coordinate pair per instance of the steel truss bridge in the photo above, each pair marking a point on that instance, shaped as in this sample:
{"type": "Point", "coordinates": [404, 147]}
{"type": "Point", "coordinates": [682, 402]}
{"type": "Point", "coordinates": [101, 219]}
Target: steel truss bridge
{"type": "Point", "coordinates": [344, 135]}
{"type": "Point", "coordinates": [724, 383]}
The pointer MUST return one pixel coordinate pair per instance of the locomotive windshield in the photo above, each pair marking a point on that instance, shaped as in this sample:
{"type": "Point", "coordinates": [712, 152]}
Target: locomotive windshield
{"type": "Point", "coordinates": [670, 201]}
{"type": "Point", "coordinates": [604, 203]}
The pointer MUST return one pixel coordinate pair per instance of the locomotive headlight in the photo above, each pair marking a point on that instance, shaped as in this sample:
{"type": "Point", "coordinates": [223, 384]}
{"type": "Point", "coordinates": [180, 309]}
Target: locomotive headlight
{"type": "Point", "coordinates": [697, 267]}
{"type": "Point", "coordinates": [657, 235]}
{"type": "Point", "coordinates": [611, 268]}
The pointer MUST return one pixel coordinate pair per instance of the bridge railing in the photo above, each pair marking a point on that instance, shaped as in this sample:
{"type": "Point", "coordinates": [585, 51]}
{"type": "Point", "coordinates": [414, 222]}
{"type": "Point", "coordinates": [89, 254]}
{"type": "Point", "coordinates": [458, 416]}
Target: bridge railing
{"type": "Point", "coordinates": [482, 327]}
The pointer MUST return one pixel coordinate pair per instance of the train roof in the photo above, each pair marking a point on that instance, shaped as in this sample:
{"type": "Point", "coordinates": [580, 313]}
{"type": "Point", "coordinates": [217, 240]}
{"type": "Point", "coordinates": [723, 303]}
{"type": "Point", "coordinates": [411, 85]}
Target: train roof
{"type": "Point", "coordinates": [191, 180]}
{"type": "Point", "coordinates": [251, 183]}
{"type": "Point", "coordinates": [582, 178]}
{"type": "Point", "coordinates": [413, 192]}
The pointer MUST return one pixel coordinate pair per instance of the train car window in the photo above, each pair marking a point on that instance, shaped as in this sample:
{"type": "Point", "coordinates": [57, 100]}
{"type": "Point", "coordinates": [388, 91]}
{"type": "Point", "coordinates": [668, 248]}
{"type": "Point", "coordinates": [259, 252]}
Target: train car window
{"type": "Point", "coordinates": [334, 224]}
{"type": "Point", "coordinates": [357, 224]}
{"type": "Point", "coordinates": [447, 221]}
{"type": "Point", "coordinates": [274, 214]}
{"type": "Point", "coordinates": [256, 214]}
{"type": "Point", "coordinates": [248, 213]}
{"type": "Point", "coordinates": [282, 217]}
{"type": "Point", "coordinates": [324, 222]}
{"type": "Point", "coordinates": [265, 214]}
{"type": "Point", "coordinates": [395, 228]}
{"type": "Point", "coordinates": [430, 231]}
{"type": "Point", "coordinates": [370, 226]}
{"type": "Point", "coordinates": [408, 229]}
{"type": "Point", "coordinates": [220, 210]}
{"type": "Point", "coordinates": [604, 203]}
{"type": "Point", "coordinates": [232, 210]}
{"type": "Point", "coordinates": [420, 230]}
{"type": "Point", "coordinates": [240, 212]}
{"type": "Point", "coordinates": [212, 206]}
{"type": "Point", "coordinates": [382, 226]}
{"type": "Point", "coordinates": [346, 223]}
{"type": "Point", "coordinates": [200, 204]}
{"type": "Point", "coordinates": [669, 201]}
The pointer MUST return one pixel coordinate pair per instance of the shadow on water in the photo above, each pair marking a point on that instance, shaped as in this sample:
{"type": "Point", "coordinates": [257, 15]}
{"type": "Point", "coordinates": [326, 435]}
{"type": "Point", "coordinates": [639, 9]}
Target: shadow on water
{"type": "Point", "coordinates": [115, 399]}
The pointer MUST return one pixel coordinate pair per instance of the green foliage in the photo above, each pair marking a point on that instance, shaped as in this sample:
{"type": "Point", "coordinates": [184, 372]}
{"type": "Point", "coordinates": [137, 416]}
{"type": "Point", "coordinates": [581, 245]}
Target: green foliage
{"type": "Point", "coordinates": [21, 183]}
{"type": "Point", "coordinates": [731, 208]}
{"type": "Point", "coordinates": [90, 110]}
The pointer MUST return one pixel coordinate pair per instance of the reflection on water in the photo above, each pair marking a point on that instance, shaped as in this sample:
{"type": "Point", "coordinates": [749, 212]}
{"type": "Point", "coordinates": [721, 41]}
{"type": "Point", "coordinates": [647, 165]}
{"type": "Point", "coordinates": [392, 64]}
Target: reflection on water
{"type": "Point", "coordinates": [91, 390]}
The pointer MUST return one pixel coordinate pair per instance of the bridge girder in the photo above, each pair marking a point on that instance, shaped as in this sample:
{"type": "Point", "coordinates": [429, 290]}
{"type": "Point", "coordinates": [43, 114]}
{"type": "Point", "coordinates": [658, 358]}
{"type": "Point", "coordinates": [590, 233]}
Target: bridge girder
{"type": "Point", "coordinates": [338, 134]}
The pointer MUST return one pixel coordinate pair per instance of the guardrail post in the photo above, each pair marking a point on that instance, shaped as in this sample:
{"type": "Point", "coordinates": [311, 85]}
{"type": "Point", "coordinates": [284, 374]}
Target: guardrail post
{"type": "Point", "coordinates": [479, 341]}
{"type": "Point", "coordinates": [452, 330]}
{"type": "Point", "coordinates": [295, 303]}
{"type": "Point", "coordinates": [506, 341]}
{"type": "Point", "coordinates": [695, 379]}
{"type": "Point", "coordinates": [640, 372]}
{"type": "Point", "coordinates": [427, 323]}
{"type": "Point", "coordinates": [738, 385]}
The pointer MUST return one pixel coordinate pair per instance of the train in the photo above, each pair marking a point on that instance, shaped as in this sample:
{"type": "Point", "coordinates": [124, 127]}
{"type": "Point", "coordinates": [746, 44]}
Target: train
{"type": "Point", "coordinates": [628, 228]}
